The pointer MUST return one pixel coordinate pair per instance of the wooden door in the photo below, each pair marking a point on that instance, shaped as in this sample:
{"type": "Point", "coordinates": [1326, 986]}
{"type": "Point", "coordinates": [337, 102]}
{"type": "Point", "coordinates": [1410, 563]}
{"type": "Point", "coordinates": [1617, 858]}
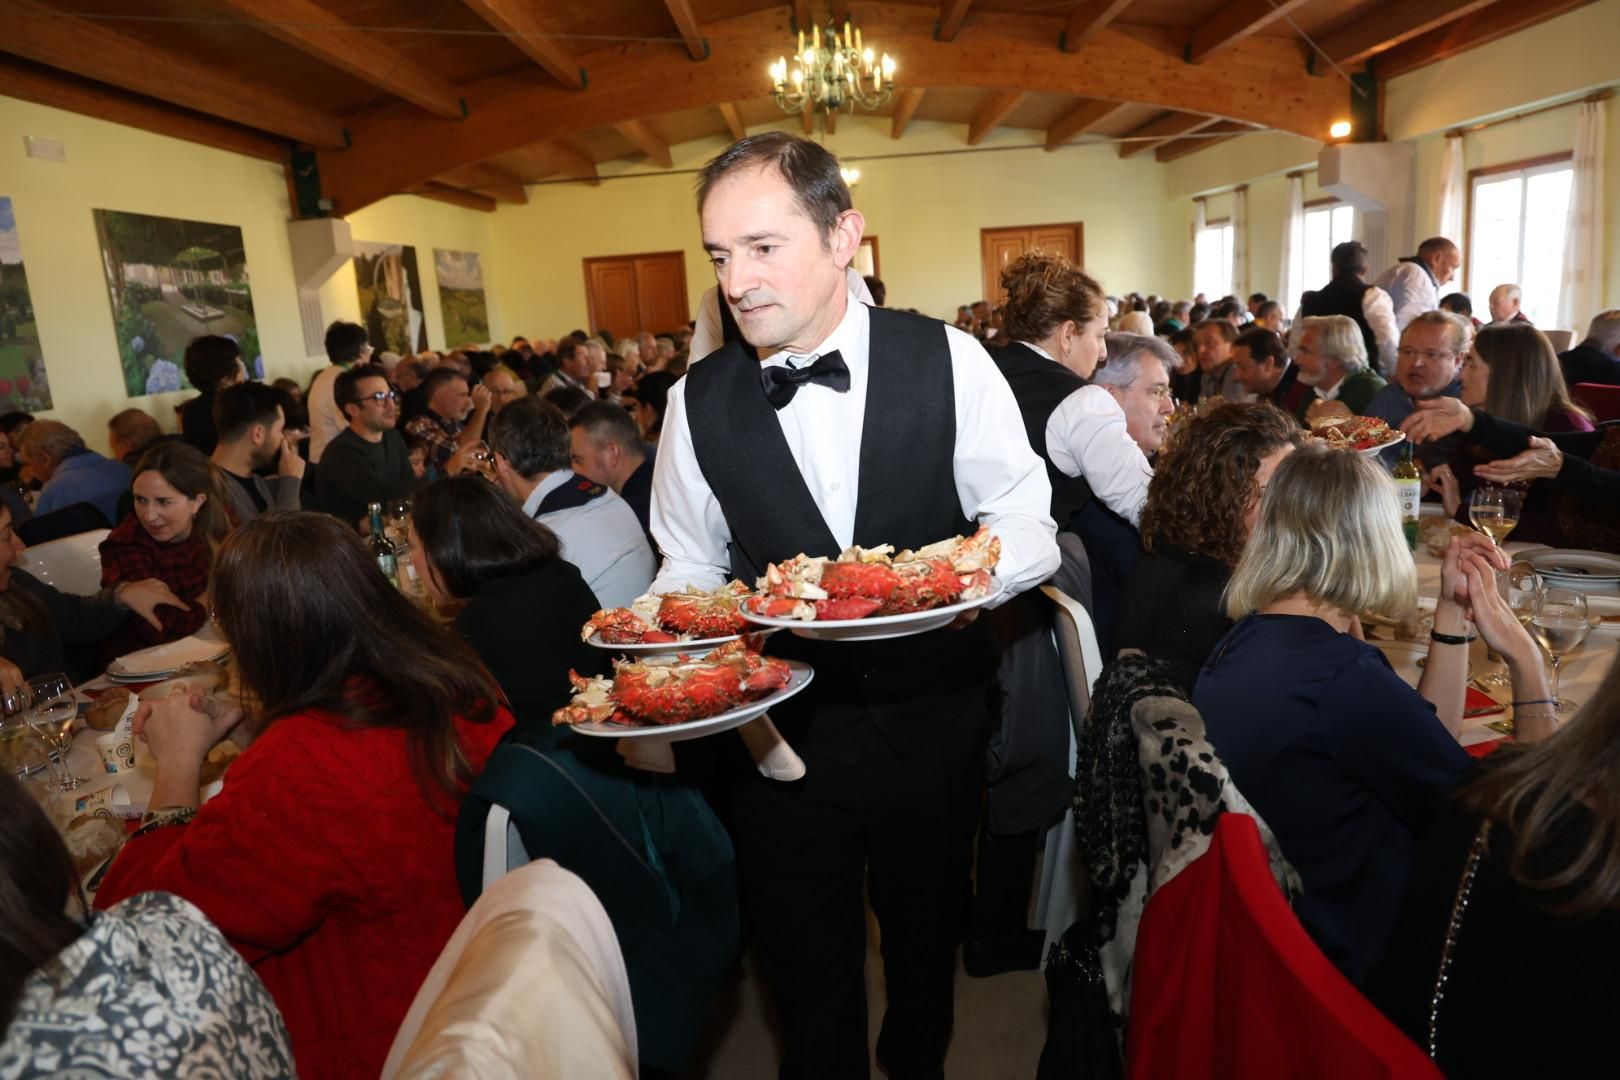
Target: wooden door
{"type": "Point", "coordinates": [626, 294]}
{"type": "Point", "coordinates": [998, 247]}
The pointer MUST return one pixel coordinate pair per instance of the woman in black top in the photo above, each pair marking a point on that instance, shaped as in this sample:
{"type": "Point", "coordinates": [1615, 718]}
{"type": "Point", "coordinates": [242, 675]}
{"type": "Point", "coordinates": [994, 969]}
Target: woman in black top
{"type": "Point", "coordinates": [212, 363]}
{"type": "Point", "coordinates": [1201, 504]}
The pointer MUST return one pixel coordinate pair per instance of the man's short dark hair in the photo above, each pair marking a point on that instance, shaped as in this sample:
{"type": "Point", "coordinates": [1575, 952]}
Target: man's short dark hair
{"type": "Point", "coordinates": [532, 435]}
{"type": "Point", "coordinates": [1224, 328]}
{"type": "Point", "coordinates": [807, 167]}
{"type": "Point", "coordinates": [239, 407]}
{"type": "Point", "coordinates": [604, 421]}
{"type": "Point", "coordinates": [346, 390]}
{"type": "Point", "coordinates": [1266, 308]}
{"type": "Point", "coordinates": [437, 378]}
{"type": "Point", "coordinates": [1347, 258]}
{"type": "Point", "coordinates": [1197, 314]}
{"type": "Point", "coordinates": [1266, 346]}
{"type": "Point", "coordinates": [210, 360]}
{"type": "Point", "coordinates": [1258, 298]}
{"type": "Point", "coordinates": [1458, 303]}
{"type": "Point", "coordinates": [1226, 309]}
{"type": "Point", "coordinates": [567, 399]}
{"type": "Point", "coordinates": [344, 342]}
{"type": "Point", "coordinates": [566, 348]}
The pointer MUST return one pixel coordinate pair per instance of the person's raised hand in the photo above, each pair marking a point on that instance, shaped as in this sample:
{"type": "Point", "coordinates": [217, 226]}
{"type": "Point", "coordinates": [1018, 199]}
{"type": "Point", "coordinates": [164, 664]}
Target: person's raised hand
{"type": "Point", "coordinates": [11, 677]}
{"type": "Point", "coordinates": [1443, 481]}
{"type": "Point", "coordinates": [144, 597]}
{"type": "Point", "coordinates": [482, 399]}
{"type": "Point", "coordinates": [176, 729]}
{"type": "Point", "coordinates": [1497, 623]}
{"type": "Point", "coordinates": [1435, 418]}
{"type": "Point", "coordinates": [1542, 461]}
{"type": "Point", "coordinates": [1454, 587]}
{"type": "Point", "coordinates": [290, 464]}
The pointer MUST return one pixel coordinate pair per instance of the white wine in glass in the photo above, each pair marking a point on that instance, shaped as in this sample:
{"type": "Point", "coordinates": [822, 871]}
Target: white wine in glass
{"type": "Point", "coordinates": [51, 713]}
{"type": "Point", "coordinates": [1560, 624]}
{"type": "Point", "coordinates": [1495, 511]}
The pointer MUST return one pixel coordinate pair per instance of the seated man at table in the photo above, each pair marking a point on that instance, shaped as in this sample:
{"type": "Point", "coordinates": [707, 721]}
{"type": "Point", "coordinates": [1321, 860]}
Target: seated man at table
{"type": "Point", "coordinates": [1332, 356]}
{"type": "Point", "coordinates": [599, 532]}
{"type": "Point", "coordinates": [1428, 364]}
{"type": "Point", "coordinates": [608, 450]}
{"type": "Point", "coordinates": [250, 425]}
{"type": "Point", "coordinates": [71, 473]}
{"type": "Point", "coordinates": [1596, 359]}
{"type": "Point", "coordinates": [368, 461]}
{"type": "Point", "coordinates": [1263, 369]}
{"type": "Point", "coordinates": [1213, 338]}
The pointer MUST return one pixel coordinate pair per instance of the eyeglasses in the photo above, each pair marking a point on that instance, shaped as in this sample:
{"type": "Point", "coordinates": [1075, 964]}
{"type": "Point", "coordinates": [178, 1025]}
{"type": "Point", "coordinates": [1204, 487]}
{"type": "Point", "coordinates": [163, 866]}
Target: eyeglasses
{"type": "Point", "coordinates": [1428, 356]}
{"type": "Point", "coordinates": [379, 397]}
{"type": "Point", "coordinates": [1158, 391]}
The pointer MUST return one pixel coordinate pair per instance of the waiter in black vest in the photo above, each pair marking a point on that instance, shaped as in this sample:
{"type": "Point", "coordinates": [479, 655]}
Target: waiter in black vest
{"type": "Point", "coordinates": [834, 424]}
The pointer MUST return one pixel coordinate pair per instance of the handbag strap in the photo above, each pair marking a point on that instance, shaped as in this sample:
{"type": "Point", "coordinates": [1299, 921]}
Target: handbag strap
{"type": "Point", "coordinates": [1459, 907]}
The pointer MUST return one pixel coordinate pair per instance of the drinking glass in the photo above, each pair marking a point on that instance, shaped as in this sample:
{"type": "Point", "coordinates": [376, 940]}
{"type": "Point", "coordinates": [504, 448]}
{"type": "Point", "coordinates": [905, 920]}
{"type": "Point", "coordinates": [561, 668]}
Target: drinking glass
{"type": "Point", "coordinates": [50, 713]}
{"type": "Point", "coordinates": [1495, 511]}
{"type": "Point", "coordinates": [1560, 623]}
{"type": "Point", "coordinates": [1521, 587]}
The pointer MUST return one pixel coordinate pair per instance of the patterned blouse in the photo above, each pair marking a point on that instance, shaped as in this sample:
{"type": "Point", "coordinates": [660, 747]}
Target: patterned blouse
{"type": "Point", "coordinates": [151, 989]}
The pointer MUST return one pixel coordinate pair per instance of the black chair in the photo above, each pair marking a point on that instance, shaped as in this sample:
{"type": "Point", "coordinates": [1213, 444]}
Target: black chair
{"type": "Point", "coordinates": [68, 521]}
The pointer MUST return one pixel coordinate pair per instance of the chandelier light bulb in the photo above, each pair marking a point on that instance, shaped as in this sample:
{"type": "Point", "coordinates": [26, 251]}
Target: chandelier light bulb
{"type": "Point", "coordinates": [832, 70]}
{"type": "Point", "coordinates": [1340, 129]}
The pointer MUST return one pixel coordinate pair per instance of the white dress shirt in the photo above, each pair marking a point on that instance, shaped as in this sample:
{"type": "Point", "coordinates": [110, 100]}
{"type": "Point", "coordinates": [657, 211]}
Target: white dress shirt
{"type": "Point", "coordinates": [1379, 311]}
{"type": "Point", "coordinates": [708, 334]}
{"type": "Point", "coordinates": [603, 538]}
{"type": "Point", "coordinates": [1086, 437]}
{"type": "Point", "coordinates": [1000, 482]}
{"type": "Point", "coordinates": [326, 420]}
{"type": "Point", "coordinates": [1412, 291]}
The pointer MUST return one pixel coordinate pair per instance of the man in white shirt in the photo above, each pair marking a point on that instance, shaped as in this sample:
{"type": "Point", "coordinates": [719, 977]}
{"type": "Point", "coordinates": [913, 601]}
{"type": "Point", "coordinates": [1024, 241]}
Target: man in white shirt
{"type": "Point", "coordinates": [1414, 283]}
{"type": "Point", "coordinates": [1348, 294]}
{"type": "Point", "coordinates": [346, 345]}
{"type": "Point", "coordinates": [839, 424]}
{"type": "Point", "coordinates": [599, 532]}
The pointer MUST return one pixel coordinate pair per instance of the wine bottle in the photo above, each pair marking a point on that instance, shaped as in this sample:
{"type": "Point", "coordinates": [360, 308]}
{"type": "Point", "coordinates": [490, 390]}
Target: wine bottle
{"type": "Point", "coordinates": [382, 548]}
{"type": "Point", "coordinates": [1409, 490]}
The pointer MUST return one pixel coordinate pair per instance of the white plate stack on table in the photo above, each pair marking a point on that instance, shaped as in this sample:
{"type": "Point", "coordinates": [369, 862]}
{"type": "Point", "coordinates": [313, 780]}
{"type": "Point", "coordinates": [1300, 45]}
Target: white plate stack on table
{"type": "Point", "coordinates": [1571, 568]}
{"type": "Point", "coordinates": [163, 661]}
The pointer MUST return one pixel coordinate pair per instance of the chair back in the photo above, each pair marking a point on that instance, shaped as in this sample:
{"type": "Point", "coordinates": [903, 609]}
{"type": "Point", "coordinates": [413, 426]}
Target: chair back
{"type": "Point", "coordinates": [503, 845]}
{"type": "Point", "coordinates": [1603, 400]}
{"type": "Point", "coordinates": [68, 521]}
{"type": "Point", "coordinates": [1559, 339]}
{"type": "Point", "coordinates": [1076, 639]}
{"type": "Point", "coordinates": [71, 564]}
{"type": "Point", "coordinates": [531, 986]}
{"type": "Point", "coordinates": [1226, 983]}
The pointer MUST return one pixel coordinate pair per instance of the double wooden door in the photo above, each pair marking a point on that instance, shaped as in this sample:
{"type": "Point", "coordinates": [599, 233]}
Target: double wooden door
{"type": "Point", "coordinates": [626, 294]}
{"type": "Point", "coordinates": [998, 247]}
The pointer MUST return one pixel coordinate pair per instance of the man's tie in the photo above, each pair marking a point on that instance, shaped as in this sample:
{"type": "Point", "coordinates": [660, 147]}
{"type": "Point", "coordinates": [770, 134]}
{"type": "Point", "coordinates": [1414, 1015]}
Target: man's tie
{"type": "Point", "coordinates": [782, 382]}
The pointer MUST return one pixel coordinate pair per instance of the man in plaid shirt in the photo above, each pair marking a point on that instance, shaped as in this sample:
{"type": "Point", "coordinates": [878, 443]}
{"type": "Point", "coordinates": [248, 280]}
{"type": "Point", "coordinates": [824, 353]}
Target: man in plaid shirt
{"type": "Point", "coordinates": [455, 417]}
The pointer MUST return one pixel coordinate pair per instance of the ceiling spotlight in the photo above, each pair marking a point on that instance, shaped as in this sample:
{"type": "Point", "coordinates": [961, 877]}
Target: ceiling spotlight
{"type": "Point", "coordinates": [1340, 129]}
{"type": "Point", "coordinates": [851, 175]}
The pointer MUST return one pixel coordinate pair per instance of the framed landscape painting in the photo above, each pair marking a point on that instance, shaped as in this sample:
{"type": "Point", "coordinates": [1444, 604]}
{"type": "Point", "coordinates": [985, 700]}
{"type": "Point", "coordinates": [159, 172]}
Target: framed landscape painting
{"type": "Point", "coordinates": [171, 280]}
{"type": "Point", "coordinates": [22, 366]}
{"type": "Point", "coordinates": [390, 297]}
{"type": "Point", "coordinates": [461, 297]}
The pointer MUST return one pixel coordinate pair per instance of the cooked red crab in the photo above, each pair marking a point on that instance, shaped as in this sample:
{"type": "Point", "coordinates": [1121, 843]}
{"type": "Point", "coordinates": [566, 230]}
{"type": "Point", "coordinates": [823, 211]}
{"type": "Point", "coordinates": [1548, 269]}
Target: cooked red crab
{"type": "Point", "coordinates": [674, 690]}
{"type": "Point", "coordinates": [693, 615]}
{"type": "Point", "coordinates": [868, 581]}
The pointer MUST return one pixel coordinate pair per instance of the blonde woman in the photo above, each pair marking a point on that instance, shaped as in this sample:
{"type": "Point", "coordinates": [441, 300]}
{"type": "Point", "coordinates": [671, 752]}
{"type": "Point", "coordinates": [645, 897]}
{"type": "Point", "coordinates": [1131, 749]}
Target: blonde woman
{"type": "Point", "coordinates": [1343, 760]}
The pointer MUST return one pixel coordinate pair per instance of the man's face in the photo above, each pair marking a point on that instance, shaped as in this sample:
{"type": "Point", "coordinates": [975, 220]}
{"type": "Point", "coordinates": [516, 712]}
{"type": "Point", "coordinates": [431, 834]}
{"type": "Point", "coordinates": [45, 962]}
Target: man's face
{"type": "Point", "coordinates": [597, 355]}
{"type": "Point", "coordinates": [578, 365]}
{"type": "Point", "coordinates": [453, 400]}
{"type": "Point", "coordinates": [1273, 321]}
{"type": "Point", "coordinates": [1503, 306]}
{"type": "Point", "coordinates": [1254, 307]}
{"type": "Point", "coordinates": [502, 389]}
{"type": "Point", "coordinates": [1314, 368]}
{"type": "Point", "coordinates": [1426, 363]}
{"type": "Point", "coordinates": [1445, 265]}
{"type": "Point", "coordinates": [595, 463]}
{"type": "Point", "coordinates": [37, 463]}
{"type": "Point", "coordinates": [1255, 376]}
{"type": "Point", "coordinates": [267, 440]}
{"type": "Point", "coordinates": [371, 413]}
{"type": "Point", "coordinates": [1147, 405]}
{"type": "Point", "coordinates": [1213, 349]}
{"type": "Point", "coordinates": [783, 278]}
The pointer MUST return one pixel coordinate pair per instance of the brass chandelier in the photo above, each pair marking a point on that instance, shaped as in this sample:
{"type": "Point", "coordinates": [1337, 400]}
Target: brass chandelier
{"type": "Point", "coordinates": [832, 72]}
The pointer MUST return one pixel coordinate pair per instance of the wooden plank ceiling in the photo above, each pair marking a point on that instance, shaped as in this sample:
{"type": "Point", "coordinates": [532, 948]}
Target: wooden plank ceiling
{"type": "Point", "coordinates": [471, 100]}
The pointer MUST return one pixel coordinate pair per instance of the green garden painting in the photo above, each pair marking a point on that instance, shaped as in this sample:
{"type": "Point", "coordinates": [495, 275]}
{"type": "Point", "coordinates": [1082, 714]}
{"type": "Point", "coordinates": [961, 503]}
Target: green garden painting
{"type": "Point", "coordinates": [22, 366]}
{"type": "Point", "coordinates": [171, 280]}
{"type": "Point", "coordinates": [461, 297]}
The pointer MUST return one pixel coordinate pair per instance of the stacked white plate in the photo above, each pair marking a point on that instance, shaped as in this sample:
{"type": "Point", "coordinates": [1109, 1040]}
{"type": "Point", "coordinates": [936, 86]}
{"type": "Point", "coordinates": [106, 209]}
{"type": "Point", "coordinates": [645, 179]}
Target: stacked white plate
{"type": "Point", "coordinates": [163, 661]}
{"type": "Point", "coordinates": [1572, 568]}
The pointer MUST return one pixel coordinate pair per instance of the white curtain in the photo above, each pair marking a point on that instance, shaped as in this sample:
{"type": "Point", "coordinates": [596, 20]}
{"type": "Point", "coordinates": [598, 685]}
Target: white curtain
{"type": "Point", "coordinates": [1240, 242]}
{"type": "Point", "coordinates": [1293, 248]}
{"type": "Point", "coordinates": [1453, 191]}
{"type": "Point", "coordinates": [1581, 297]}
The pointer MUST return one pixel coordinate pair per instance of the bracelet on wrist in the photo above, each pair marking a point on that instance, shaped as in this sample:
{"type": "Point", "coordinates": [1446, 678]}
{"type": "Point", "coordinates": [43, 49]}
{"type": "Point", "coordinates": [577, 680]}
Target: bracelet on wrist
{"type": "Point", "coordinates": [1451, 639]}
{"type": "Point", "coordinates": [1534, 701]}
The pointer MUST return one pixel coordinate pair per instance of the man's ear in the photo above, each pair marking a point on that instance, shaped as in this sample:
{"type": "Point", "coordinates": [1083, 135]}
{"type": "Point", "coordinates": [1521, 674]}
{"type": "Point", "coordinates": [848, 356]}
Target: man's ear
{"type": "Point", "coordinates": [845, 238]}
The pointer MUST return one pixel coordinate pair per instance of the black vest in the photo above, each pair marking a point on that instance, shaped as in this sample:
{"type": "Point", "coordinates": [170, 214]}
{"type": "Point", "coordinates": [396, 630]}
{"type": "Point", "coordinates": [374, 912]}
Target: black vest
{"type": "Point", "coordinates": [1040, 386]}
{"type": "Point", "coordinates": [906, 497]}
{"type": "Point", "coordinates": [1343, 296]}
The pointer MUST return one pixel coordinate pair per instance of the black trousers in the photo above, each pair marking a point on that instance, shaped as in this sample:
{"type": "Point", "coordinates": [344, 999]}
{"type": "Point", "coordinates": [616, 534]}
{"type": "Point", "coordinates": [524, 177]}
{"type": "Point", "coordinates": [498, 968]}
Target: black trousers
{"type": "Point", "coordinates": [868, 820]}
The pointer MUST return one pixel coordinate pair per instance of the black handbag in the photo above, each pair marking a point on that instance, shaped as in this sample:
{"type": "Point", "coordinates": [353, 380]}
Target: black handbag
{"type": "Point", "coordinates": [1082, 1042]}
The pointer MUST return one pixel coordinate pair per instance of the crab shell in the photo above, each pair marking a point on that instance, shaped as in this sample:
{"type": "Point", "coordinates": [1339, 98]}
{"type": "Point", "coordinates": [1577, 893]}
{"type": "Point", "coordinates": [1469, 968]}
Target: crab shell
{"type": "Point", "coordinates": [674, 691]}
{"type": "Point", "coordinates": [621, 626]}
{"type": "Point", "coordinates": [701, 616]}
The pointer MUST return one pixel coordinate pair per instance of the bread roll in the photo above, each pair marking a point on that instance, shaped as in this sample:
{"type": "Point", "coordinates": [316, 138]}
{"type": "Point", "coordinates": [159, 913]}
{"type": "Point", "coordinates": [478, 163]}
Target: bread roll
{"type": "Point", "coordinates": [91, 841]}
{"type": "Point", "coordinates": [105, 712]}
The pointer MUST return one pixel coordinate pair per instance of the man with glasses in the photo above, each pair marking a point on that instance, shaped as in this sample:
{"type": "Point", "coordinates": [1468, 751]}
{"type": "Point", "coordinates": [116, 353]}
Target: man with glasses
{"type": "Point", "coordinates": [368, 461]}
{"type": "Point", "coordinates": [346, 345]}
{"type": "Point", "coordinates": [1428, 364]}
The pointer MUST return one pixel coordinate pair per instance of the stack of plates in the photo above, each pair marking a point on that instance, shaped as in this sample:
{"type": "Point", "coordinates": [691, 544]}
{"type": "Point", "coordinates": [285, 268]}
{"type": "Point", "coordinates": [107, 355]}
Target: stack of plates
{"type": "Point", "coordinates": [163, 661]}
{"type": "Point", "coordinates": [1571, 568]}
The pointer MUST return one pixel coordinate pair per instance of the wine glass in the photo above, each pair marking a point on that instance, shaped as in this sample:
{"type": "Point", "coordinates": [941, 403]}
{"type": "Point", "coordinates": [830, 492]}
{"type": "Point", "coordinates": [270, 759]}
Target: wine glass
{"type": "Point", "coordinates": [1521, 587]}
{"type": "Point", "coordinates": [50, 713]}
{"type": "Point", "coordinates": [1560, 623]}
{"type": "Point", "coordinates": [1495, 511]}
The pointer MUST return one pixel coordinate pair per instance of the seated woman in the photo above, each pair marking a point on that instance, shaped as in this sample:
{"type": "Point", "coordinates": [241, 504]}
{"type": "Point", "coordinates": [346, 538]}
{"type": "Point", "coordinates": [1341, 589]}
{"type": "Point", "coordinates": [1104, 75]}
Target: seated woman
{"type": "Point", "coordinates": [213, 362]}
{"type": "Point", "coordinates": [43, 628]}
{"type": "Point", "coordinates": [328, 859]}
{"type": "Point", "coordinates": [1204, 498]}
{"type": "Point", "coordinates": [178, 524]}
{"type": "Point", "coordinates": [1538, 826]}
{"type": "Point", "coordinates": [647, 845]}
{"type": "Point", "coordinates": [1343, 760]}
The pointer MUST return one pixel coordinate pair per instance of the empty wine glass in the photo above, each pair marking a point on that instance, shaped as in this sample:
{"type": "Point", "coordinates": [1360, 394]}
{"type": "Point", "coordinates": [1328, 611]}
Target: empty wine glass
{"type": "Point", "coordinates": [50, 712]}
{"type": "Point", "coordinates": [1521, 587]}
{"type": "Point", "coordinates": [1560, 623]}
{"type": "Point", "coordinates": [1495, 511]}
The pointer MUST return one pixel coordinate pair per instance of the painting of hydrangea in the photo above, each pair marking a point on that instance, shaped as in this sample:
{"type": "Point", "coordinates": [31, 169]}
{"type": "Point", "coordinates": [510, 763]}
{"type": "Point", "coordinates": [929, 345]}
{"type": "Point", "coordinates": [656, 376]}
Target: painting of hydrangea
{"type": "Point", "coordinates": [22, 365]}
{"type": "Point", "coordinates": [169, 281]}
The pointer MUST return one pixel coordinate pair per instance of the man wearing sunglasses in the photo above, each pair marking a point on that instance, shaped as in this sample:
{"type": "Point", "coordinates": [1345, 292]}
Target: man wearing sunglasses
{"type": "Point", "coordinates": [368, 461]}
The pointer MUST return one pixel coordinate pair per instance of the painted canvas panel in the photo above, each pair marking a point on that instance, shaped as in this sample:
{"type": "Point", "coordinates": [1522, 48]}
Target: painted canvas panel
{"type": "Point", "coordinates": [22, 365]}
{"type": "Point", "coordinates": [461, 297]}
{"type": "Point", "coordinates": [171, 280]}
{"type": "Point", "coordinates": [390, 297]}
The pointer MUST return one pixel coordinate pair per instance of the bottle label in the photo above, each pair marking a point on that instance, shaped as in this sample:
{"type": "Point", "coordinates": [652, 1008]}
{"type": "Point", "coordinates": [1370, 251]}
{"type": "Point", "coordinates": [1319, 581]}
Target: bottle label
{"type": "Point", "coordinates": [1409, 493]}
{"type": "Point", "coordinates": [385, 561]}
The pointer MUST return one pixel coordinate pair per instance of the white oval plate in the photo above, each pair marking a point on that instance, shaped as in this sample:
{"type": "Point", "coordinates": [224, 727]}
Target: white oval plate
{"type": "Point", "coordinates": [876, 627]}
{"type": "Point", "coordinates": [1400, 437]}
{"type": "Point", "coordinates": [1573, 564]}
{"type": "Point", "coordinates": [712, 725]}
{"type": "Point", "coordinates": [662, 648]}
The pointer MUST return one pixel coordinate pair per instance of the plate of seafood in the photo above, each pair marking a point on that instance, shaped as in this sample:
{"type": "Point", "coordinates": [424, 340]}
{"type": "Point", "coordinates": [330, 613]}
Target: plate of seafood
{"type": "Point", "coordinates": [693, 621]}
{"type": "Point", "coordinates": [678, 697]}
{"type": "Point", "coordinates": [870, 594]}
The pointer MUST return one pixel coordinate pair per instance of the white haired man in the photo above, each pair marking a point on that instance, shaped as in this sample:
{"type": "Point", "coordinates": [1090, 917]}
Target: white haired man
{"type": "Point", "coordinates": [1331, 354]}
{"type": "Point", "coordinates": [1596, 359]}
{"type": "Point", "coordinates": [1507, 304]}
{"type": "Point", "coordinates": [1414, 282]}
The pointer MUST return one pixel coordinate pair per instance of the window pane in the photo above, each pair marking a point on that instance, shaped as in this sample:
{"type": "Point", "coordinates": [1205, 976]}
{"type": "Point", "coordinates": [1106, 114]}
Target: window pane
{"type": "Point", "coordinates": [1318, 247]}
{"type": "Point", "coordinates": [1344, 225]}
{"type": "Point", "coordinates": [1494, 243]}
{"type": "Point", "coordinates": [1546, 209]}
{"type": "Point", "coordinates": [1212, 262]}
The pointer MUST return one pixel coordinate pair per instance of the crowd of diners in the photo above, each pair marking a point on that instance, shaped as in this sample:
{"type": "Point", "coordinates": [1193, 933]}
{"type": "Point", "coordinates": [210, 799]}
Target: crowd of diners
{"type": "Point", "coordinates": [1160, 445]}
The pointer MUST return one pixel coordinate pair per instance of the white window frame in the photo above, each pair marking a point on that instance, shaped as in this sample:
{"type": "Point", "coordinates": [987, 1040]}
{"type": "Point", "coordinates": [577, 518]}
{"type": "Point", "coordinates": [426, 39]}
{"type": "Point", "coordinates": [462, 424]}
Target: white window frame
{"type": "Point", "coordinates": [1224, 227]}
{"type": "Point", "coordinates": [1523, 172]}
{"type": "Point", "coordinates": [1306, 272]}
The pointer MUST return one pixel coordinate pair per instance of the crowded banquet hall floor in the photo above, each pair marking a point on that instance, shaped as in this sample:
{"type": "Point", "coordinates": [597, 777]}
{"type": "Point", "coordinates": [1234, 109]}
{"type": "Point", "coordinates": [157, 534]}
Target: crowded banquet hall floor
{"type": "Point", "coordinates": [717, 540]}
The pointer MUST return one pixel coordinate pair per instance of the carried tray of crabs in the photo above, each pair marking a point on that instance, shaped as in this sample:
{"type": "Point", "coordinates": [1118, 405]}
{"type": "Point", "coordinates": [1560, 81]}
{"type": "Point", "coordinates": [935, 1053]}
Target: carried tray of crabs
{"type": "Point", "coordinates": [693, 621]}
{"type": "Point", "coordinates": [1362, 434]}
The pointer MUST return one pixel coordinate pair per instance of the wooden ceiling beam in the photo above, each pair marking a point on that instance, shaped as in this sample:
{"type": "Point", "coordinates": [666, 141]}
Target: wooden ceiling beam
{"type": "Point", "coordinates": [801, 16]}
{"type": "Point", "coordinates": [486, 178]}
{"type": "Point", "coordinates": [468, 200]}
{"type": "Point", "coordinates": [646, 140]}
{"type": "Point", "coordinates": [515, 19]}
{"type": "Point", "coordinates": [1497, 21]}
{"type": "Point", "coordinates": [83, 47]}
{"type": "Point", "coordinates": [1233, 23]}
{"type": "Point", "coordinates": [310, 28]}
{"type": "Point", "coordinates": [1156, 133]}
{"type": "Point", "coordinates": [991, 113]}
{"type": "Point", "coordinates": [1388, 26]}
{"type": "Point", "coordinates": [951, 14]}
{"type": "Point", "coordinates": [1079, 120]}
{"type": "Point", "coordinates": [733, 120]}
{"type": "Point", "coordinates": [905, 107]}
{"type": "Point", "coordinates": [681, 12]}
{"type": "Point", "coordinates": [570, 161]}
{"type": "Point", "coordinates": [1210, 136]}
{"type": "Point", "coordinates": [1087, 20]}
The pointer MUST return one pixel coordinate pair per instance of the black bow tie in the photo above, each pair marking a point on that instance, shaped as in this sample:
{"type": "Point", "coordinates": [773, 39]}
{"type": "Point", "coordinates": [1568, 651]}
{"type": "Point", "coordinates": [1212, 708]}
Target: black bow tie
{"type": "Point", "coordinates": [782, 382]}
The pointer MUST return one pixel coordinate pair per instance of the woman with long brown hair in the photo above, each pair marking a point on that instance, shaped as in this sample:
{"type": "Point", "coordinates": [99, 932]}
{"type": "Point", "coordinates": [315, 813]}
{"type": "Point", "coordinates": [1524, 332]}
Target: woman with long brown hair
{"type": "Point", "coordinates": [1513, 373]}
{"type": "Point", "coordinates": [328, 859]}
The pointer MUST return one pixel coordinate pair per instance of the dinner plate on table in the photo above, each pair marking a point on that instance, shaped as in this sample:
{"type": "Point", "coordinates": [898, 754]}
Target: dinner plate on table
{"type": "Point", "coordinates": [1605, 614]}
{"type": "Point", "coordinates": [162, 661]}
{"type": "Point", "coordinates": [801, 675]}
{"type": "Point", "coordinates": [1572, 568]}
{"type": "Point", "coordinates": [876, 627]}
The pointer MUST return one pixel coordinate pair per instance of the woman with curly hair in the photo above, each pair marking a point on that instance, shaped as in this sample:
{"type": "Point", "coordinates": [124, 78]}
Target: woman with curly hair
{"type": "Point", "coordinates": [1205, 493]}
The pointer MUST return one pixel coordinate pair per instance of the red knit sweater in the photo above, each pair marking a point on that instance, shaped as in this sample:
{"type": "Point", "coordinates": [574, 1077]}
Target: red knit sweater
{"type": "Point", "coordinates": [325, 865]}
